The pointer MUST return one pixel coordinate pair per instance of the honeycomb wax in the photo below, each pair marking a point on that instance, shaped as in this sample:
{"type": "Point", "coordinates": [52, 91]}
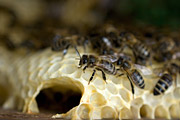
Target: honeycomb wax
{"type": "Point", "coordinates": [29, 75]}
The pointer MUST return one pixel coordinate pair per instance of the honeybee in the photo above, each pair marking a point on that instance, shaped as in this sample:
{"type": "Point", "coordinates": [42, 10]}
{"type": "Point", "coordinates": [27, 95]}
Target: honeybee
{"type": "Point", "coordinates": [163, 84]}
{"type": "Point", "coordinates": [101, 44]}
{"type": "Point", "coordinates": [115, 39]}
{"type": "Point", "coordinates": [133, 75]}
{"type": "Point", "coordinates": [164, 49]}
{"type": "Point", "coordinates": [140, 51]}
{"type": "Point", "coordinates": [165, 44]}
{"type": "Point", "coordinates": [61, 43]}
{"type": "Point", "coordinates": [167, 79]}
{"type": "Point", "coordinates": [102, 65]}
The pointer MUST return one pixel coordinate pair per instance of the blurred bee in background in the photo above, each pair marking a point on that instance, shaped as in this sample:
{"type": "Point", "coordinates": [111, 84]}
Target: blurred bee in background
{"type": "Point", "coordinates": [140, 51]}
{"type": "Point", "coordinates": [36, 39]}
{"type": "Point", "coordinates": [101, 44]}
{"type": "Point", "coordinates": [60, 43]}
{"type": "Point", "coordinates": [164, 49]}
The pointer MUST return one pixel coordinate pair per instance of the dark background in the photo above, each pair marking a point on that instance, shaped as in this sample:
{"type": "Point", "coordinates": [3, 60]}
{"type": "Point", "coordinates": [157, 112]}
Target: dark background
{"type": "Point", "coordinates": [78, 13]}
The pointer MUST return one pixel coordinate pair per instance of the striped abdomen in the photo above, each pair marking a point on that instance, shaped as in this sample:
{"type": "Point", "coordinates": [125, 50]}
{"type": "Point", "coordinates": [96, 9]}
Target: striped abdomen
{"type": "Point", "coordinates": [141, 50]}
{"type": "Point", "coordinates": [163, 84]}
{"type": "Point", "coordinates": [137, 79]}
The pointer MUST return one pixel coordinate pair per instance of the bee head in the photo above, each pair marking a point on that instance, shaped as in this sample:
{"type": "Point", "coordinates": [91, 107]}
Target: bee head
{"type": "Point", "coordinates": [120, 61]}
{"type": "Point", "coordinates": [83, 60]}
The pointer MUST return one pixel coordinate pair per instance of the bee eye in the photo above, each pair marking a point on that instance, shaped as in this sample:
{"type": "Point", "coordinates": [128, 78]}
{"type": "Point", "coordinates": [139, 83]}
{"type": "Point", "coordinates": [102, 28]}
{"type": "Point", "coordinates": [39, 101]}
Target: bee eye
{"type": "Point", "coordinates": [84, 61]}
{"type": "Point", "coordinates": [126, 65]}
{"type": "Point", "coordinates": [119, 62]}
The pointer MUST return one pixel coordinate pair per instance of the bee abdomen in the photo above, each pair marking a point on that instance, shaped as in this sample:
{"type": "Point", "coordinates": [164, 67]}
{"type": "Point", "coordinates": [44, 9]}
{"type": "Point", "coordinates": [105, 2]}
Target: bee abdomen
{"type": "Point", "coordinates": [138, 79]}
{"type": "Point", "coordinates": [163, 84]}
{"type": "Point", "coordinates": [142, 51]}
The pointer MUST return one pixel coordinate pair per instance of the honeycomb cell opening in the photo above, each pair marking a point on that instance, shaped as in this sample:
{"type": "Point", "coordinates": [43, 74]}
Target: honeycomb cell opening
{"type": "Point", "coordinates": [145, 111]}
{"type": "Point", "coordinates": [58, 99]}
{"type": "Point", "coordinates": [160, 112]}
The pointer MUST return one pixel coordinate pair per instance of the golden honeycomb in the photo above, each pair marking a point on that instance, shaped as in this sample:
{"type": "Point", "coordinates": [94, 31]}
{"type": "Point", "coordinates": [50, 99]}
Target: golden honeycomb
{"type": "Point", "coordinates": [30, 74]}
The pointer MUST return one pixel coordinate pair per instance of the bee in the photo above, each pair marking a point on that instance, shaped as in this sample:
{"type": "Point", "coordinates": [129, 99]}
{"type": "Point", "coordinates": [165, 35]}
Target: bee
{"type": "Point", "coordinates": [167, 79]}
{"type": "Point", "coordinates": [140, 51]}
{"type": "Point", "coordinates": [164, 49]}
{"type": "Point", "coordinates": [133, 75]}
{"type": "Point", "coordinates": [101, 44]}
{"type": "Point", "coordinates": [100, 64]}
{"type": "Point", "coordinates": [163, 56]}
{"type": "Point", "coordinates": [163, 84]}
{"type": "Point", "coordinates": [104, 66]}
{"type": "Point", "coordinates": [165, 44]}
{"type": "Point", "coordinates": [115, 39]}
{"type": "Point", "coordinates": [61, 43]}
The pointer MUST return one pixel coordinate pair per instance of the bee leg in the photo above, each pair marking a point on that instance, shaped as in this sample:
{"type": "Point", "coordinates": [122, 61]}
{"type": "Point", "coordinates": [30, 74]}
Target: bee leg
{"type": "Point", "coordinates": [92, 76]}
{"type": "Point", "coordinates": [120, 75]}
{"type": "Point", "coordinates": [65, 50]}
{"type": "Point", "coordinates": [103, 74]}
{"type": "Point", "coordinates": [84, 68]}
{"type": "Point", "coordinates": [77, 51]}
{"type": "Point", "coordinates": [132, 87]}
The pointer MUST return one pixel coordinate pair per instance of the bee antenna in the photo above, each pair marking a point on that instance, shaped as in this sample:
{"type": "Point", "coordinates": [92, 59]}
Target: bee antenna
{"type": "Point", "coordinates": [77, 52]}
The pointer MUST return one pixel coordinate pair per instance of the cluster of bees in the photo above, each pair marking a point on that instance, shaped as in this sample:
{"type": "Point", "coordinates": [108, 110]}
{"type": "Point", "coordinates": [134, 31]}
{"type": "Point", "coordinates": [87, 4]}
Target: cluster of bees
{"type": "Point", "coordinates": [119, 51]}
{"type": "Point", "coordinates": [114, 57]}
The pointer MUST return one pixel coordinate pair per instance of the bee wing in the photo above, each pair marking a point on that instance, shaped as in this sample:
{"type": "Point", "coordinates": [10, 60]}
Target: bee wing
{"type": "Point", "coordinates": [143, 69]}
{"type": "Point", "coordinates": [158, 71]}
{"type": "Point", "coordinates": [109, 58]}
